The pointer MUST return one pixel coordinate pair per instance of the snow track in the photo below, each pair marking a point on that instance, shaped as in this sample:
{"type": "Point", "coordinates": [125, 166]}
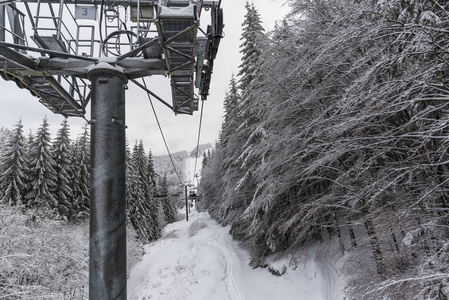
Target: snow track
{"type": "Point", "coordinates": [231, 286]}
{"type": "Point", "coordinates": [330, 275]}
{"type": "Point", "coordinates": [198, 260]}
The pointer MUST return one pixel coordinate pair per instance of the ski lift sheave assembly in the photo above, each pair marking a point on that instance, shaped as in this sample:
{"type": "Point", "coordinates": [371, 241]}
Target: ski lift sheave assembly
{"type": "Point", "coordinates": [84, 52]}
{"type": "Point", "coordinates": [138, 37]}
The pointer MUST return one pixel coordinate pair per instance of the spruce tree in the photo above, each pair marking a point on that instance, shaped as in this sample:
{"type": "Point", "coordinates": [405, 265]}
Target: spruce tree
{"type": "Point", "coordinates": [63, 156]}
{"type": "Point", "coordinates": [232, 120]}
{"type": "Point", "coordinates": [135, 208]}
{"type": "Point", "coordinates": [42, 168]}
{"type": "Point", "coordinates": [167, 202]}
{"type": "Point", "coordinates": [81, 172]}
{"type": "Point", "coordinates": [251, 48]}
{"type": "Point", "coordinates": [144, 210]}
{"type": "Point", "coordinates": [27, 170]}
{"type": "Point", "coordinates": [13, 162]}
{"type": "Point", "coordinates": [139, 208]}
{"type": "Point", "coordinates": [151, 173]}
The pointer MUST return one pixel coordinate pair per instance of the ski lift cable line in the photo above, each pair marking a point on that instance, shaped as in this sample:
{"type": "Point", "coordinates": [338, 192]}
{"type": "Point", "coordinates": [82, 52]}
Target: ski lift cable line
{"type": "Point", "coordinates": [198, 140]}
{"type": "Point", "coordinates": [162, 133]}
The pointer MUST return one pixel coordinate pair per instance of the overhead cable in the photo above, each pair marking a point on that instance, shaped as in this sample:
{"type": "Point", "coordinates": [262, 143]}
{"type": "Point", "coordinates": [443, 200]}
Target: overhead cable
{"type": "Point", "coordinates": [162, 133]}
{"type": "Point", "coordinates": [198, 141]}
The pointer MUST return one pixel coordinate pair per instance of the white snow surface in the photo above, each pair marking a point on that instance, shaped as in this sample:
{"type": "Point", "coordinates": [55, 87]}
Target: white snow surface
{"type": "Point", "coordinates": [198, 259]}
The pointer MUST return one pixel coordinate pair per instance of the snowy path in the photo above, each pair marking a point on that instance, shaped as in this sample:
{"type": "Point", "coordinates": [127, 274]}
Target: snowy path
{"type": "Point", "coordinates": [198, 260]}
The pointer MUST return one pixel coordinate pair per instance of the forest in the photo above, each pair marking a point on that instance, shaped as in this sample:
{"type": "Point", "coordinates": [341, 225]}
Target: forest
{"type": "Point", "coordinates": [336, 127]}
{"type": "Point", "coordinates": [44, 211]}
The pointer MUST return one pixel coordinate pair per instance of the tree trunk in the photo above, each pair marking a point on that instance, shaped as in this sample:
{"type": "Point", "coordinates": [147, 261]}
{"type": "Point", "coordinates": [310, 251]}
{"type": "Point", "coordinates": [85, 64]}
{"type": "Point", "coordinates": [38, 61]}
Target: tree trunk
{"type": "Point", "coordinates": [351, 233]}
{"type": "Point", "coordinates": [375, 247]}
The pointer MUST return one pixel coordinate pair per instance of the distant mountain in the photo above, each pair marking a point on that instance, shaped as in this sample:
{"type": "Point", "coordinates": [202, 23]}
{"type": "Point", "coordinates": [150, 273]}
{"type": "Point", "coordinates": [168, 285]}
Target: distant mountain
{"type": "Point", "coordinates": [184, 166]}
{"type": "Point", "coordinates": [201, 149]}
{"type": "Point", "coordinates": [164, 167]}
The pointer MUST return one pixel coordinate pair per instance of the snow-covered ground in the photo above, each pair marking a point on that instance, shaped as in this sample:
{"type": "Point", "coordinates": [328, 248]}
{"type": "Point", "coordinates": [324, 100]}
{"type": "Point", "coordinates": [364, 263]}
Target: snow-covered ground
{"type": "Point", "coordinates": [199, 260]}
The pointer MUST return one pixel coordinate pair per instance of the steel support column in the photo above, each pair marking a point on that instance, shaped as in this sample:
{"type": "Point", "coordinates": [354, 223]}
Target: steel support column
{"type": "Point", "coordinates": [107, 247]}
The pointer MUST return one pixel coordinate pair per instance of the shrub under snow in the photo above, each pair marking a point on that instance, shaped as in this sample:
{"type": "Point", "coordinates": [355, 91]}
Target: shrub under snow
{"type": "Point", "coordinates": [46, 259]}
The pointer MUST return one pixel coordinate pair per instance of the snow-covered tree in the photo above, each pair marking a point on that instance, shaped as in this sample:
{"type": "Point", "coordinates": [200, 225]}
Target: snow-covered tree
{"type": "Point", "coordinates": [137, 210]}
{"type": "Point", "coordinates": [144, 211]}
{"type": "Point", "coordinates": [166, 201]}
{"type": "Point", "coordinates": [81, 172]}
{"type": "Point", "coordinates": [63, 156]}
{"type": "Point", "coordinates": [240, 117]}
{"type": "Point", "coordinates": [252, 37]}
{"type": "Point", "coordinates": [13, 164]}
{"type": "Point", "coordinates": [231, 119]}
{"type": "Point", "coordinates": [42, 169]}
{"type": "Point", "coordinates": [348, 139]}
{"type": "Point", "coordinates": [151, 172]}
{"type": "Point", "coordinates": [27, 170]}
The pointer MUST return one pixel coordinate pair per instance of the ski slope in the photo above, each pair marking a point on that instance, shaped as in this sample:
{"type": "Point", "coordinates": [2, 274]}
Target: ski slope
{"type": "Point", "coordinates": [198, 260]}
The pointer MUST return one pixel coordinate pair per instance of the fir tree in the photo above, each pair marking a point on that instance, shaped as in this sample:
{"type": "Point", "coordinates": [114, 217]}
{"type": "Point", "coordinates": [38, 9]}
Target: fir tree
{"type": "Point", "coordinates": [132, 186]}
{"type": "Point", "coordinates": [28, 175]}
{"type": "Point", "coordinates": [229, 141]}
{"type": "Point", "coordinates": [151, 173]}
{"type": "Point", "coordinates": [251, 47]}
{"type": "Point", "coordinates": [236, 149]}
{"type": "Point", "coordinates": [43, 182]}
{"type": "Point", "coordinates": [12, 179]}
{"type": "Point", "coordinates": [144, 210]}
{"type": "Point", "coordinates": [167, 202]}
{"type": "Point", "coordinates": [81, 172]}
{"type": "Point", "coordinates": [63, 156]}
{"type": "Point", "coordinates": [138, 206]}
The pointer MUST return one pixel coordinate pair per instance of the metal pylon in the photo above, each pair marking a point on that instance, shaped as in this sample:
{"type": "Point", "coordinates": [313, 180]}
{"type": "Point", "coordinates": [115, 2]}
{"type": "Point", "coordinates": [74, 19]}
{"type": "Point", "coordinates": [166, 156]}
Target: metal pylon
{"type": "Point", "coordinates": [58, 74]}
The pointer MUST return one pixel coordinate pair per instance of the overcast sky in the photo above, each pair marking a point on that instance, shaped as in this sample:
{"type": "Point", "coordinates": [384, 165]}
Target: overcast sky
{"type": "Point", "coordinates": [181, 130]}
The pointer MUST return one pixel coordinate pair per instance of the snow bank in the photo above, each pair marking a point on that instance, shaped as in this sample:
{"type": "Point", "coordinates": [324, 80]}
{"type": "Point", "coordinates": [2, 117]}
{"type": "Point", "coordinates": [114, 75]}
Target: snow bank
{"type": "Point", "coordinates": [199, 260]}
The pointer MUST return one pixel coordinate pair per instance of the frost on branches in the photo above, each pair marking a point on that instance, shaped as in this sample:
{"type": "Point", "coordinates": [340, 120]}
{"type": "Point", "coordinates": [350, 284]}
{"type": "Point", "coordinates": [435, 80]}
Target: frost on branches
{"type": "Point", "coordinates": [347, 138]}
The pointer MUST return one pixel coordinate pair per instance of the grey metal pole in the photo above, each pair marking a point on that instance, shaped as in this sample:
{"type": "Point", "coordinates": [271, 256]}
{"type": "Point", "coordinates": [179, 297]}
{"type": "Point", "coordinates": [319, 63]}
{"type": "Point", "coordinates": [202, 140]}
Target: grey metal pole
{"type": "Point", "coordinates": [107, 247]}
{"type": "Point", "coordinates": [187, 204]}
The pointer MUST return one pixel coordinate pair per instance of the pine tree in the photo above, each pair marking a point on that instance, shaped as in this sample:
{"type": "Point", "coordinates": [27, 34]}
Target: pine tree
{"type": "Point", "coordinates": [81, 172]}
{"type": "Point", "coordinates": [132, 206]}
{"type": "Point", "coordinates": [136, 208]}
{"type": "Point", "coordinates": [12, 179]}
{"type": "Point", "coordinates": [236, 150]}
{"type": "Point", "coordinates": [229, 141]}
{"type": "Point", "coordinates": [151, 172]}
{"type": "Point", "coordinates": [144, 210]}
{"type": "Point", "coordinates": [248, 121]}
{"type": "Point", "coordinates": [43, 184]}
{"type": "Point", "coordinates": [167, 202]}
{"type": "Point", "coordinates": [251, 47]}
{"type": "Point", "coordinates": [28, 153]}
{"type": "Point", "coordinates": [63, 156]}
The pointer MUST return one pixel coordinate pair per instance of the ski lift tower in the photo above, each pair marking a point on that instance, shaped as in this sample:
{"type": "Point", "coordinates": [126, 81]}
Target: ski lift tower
{"type": "Point", "coordinates": [86, 51]}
